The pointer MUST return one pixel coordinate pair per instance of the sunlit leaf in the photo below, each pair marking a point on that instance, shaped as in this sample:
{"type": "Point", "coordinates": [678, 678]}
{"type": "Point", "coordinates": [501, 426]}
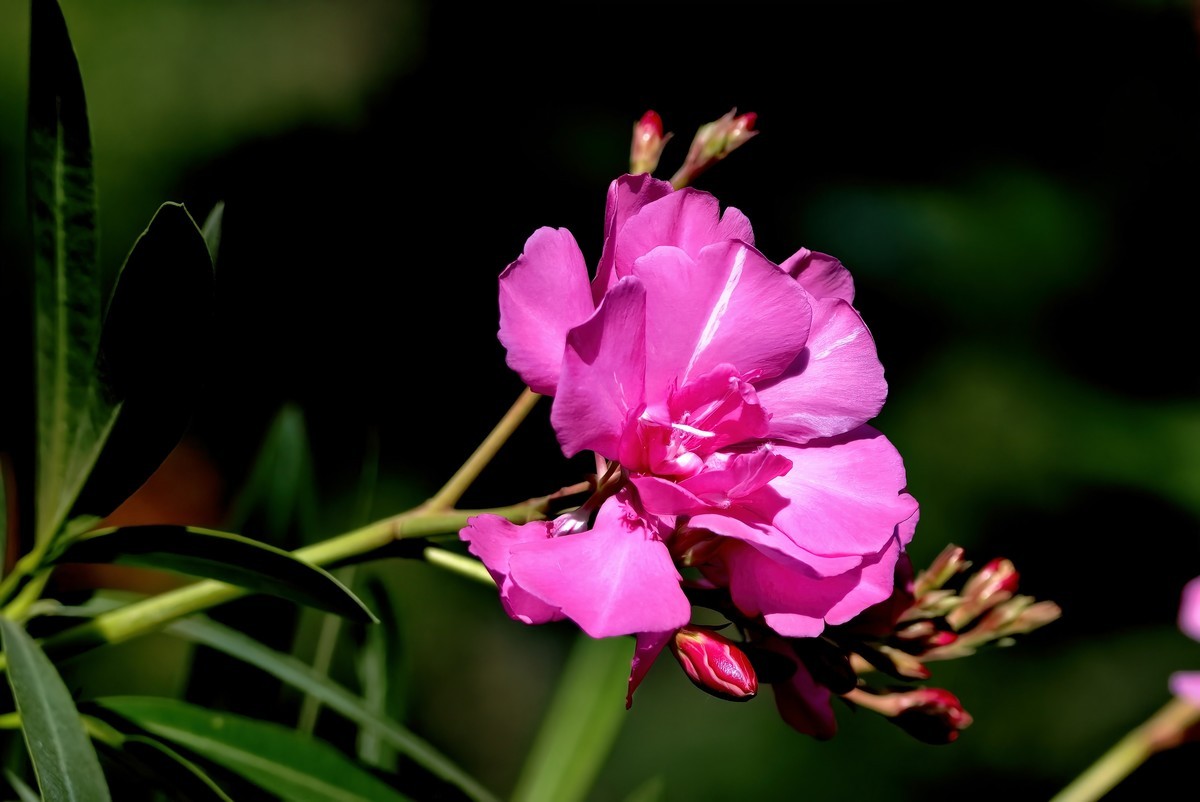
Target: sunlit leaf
{"type": "Point", "coordinates": [153, 354]}
{"type": "Point", "coordinates": [293, 766]}
{"type": "Point", "coordinates": [300, 675]}
{"type": "Point", "coordinates": [63, 757]}
{"type": "Point", "coordinates": [73, 414]}
{"type": "Point", "coordinates": [580, 725]}
{"type": "Point", "coordinates": [227, 557]}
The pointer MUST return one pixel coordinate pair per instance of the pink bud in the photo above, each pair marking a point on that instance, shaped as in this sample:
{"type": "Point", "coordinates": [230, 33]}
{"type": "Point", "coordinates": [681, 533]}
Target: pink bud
{"type": "Point", "coordinates": [991, 585]}
{"type": "Point", "coordinates": [950, 562]}
{"type": "Point", "coordinates": [715, 664]}
{"type": "Point", "coordinates": [932, 715]}
{"type": "Point", "coordinates": [713, 142]}
{"type": "Point", "coordinates": [648, 143]}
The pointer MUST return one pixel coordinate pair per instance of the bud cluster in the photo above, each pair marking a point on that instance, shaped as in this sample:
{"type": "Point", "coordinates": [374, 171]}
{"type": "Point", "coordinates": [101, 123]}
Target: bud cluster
{"type": "Point", "coordinates": [712, 143]}
{"type": "Point", "coordinates": [944, 613]}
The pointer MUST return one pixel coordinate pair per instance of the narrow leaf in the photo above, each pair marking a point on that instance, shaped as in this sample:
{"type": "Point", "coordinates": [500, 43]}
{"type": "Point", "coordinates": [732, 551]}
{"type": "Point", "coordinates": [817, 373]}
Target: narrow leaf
{"type": "Point", "coordinates": [300, 675]}
{"type": "Point", "coordinates": [278, 495]}
{"type": "Point", "coordinates": [73, 416]}
{"type": "Point", "coordinates": [212, 230]}
{"type": "Point", "coordinates": [63, 757]}
{"type": "Point", "coordinates": [293, 766]}
{"type": "Point", "coordinates": [158, 765]}
{"type": "Point", "coordinates": [153, 354]}
{"type": "Point", "coordinates": [24, 792]}
{"type": "Point", "coordinates": [581, 724]}
{"type": "Point", "coordinates": [227, 557]}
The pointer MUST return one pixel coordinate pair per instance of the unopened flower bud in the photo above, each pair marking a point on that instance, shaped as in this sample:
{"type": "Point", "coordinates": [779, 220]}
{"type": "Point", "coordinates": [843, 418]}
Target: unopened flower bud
{"type": "Point", "coordinates": [932, 715]}
{"type": "Point", "coordinates": [713, 142]}
{"type": "Point", "coordinates": [648, 143]}
{"type": "Point", "coordinates": [991, 585]}
{"type": "Point", "coordinates": [715, 664]}
{"type": "Point", "coordinates": [950, 562]}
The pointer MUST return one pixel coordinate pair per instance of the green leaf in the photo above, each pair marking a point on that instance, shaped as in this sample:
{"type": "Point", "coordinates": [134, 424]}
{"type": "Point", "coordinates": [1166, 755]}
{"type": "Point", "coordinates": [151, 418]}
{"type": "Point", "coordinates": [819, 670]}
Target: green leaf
{"type": "Point", "coordinates": [378, 660]}
{"type": "Point", "coordinates": [153, 354]}
{"type": "Point", "coordinates": [212, 230]}
{"type": "Point", "coordinates": [302, 676]}
{"type": "Point", "coordinates": [278, 497]}
{"type": "Point", "coordinates": [73, 414]}
{"type": "Point", "coordinates": [581, 724]}
{"type": "Point", "coordinates": [293, 766]}
{"type": "Point", "coordinates": [154, 762]}
{"type": "Point", "coordinates": [25, 793]}
{"type": "Point", "coordinates": [63, 757]}
{"type": "Point", "coordinates": [652, 790]}
{"type": "Point", "coordinates": [227, 557]}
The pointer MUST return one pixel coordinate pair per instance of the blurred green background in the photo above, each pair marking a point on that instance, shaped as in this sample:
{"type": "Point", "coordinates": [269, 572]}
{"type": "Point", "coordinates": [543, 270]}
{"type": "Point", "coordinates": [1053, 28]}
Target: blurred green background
{"type": "Point", "coordinates": [1013, 187]}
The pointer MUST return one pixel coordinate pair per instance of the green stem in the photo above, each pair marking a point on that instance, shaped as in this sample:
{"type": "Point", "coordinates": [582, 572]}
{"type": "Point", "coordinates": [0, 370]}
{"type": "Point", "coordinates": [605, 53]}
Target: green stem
{"type": "Point", "coordinates": [154, 613]}
{"type": "Point", "coordinates": [453, 490]}
{"type": "Point", "coordinates": [1161, 731]}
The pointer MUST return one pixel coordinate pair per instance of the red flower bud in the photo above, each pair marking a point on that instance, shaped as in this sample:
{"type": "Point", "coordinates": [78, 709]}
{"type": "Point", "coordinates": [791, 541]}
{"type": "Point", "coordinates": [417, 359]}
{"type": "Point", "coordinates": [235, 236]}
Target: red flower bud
{"type": "Point", "coordinates": [648, 143]}
{"type": "Point", "coordinates": [932, 715]}
{"type": "Point", "coordinates": [715, 664]}
{"type": "Point", "coordinates": [713, 142]}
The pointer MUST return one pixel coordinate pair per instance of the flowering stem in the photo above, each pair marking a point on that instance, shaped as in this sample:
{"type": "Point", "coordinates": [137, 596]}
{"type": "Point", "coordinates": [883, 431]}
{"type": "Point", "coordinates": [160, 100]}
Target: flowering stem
{"type": "Point", "coordinates": [1161, 731]}
{"type": "Point", "coordinates": [453, 490]}
{"type": "Point", "coordinates": [154, 613]}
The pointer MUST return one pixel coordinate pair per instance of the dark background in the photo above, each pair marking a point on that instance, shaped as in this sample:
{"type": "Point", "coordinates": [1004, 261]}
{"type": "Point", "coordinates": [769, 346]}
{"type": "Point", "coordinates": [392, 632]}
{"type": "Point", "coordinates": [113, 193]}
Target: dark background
{"type": "Point", "coordinates": [1013, 186]}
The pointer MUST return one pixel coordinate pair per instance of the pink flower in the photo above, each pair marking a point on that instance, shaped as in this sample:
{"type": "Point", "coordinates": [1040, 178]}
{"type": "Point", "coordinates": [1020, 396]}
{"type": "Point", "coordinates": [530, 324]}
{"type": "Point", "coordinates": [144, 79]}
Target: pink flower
{"type": "Point", "coordinates": [1187, 683]}
{"type": "Point", "coordinates": [727, 397]}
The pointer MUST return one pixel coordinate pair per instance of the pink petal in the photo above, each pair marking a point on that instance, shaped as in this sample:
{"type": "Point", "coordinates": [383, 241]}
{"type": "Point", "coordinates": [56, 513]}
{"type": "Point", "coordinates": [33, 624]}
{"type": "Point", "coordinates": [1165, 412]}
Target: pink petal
{"type": "Point", "coordinates": [803, 703]}
{"type": "Point", "coordinates": [688, 219]}
{"type": "Point", "coordinates": [543, 294]}
{"type": "Point", "coordinates": [626, 196]}
{"type": "Point", "coordinates": [603, 373]}
{"type": "Point", "coordinates": [492, 539]}
{"type": "Point", "coordinates": [722, 405]}
{"type": "Point", "coordinates": [1186, 685]}
{"type": "Point", "coordinates": [730, 306]}
{"type": "Point", "coordinates": [649, 646]}
{"type": "Point", "coordinates": [740, 524]}
{"type": "Point", "coordinates": [834, 386]}
{"type": "Point", "coordinates": [845, 495]}
{"type": "Point", "coordinates": [820, 274]}
{"type": "Point", "coordinates": [796, 603]}
{"type": "Point", "coordinates": [616, 579]}
{"type": "Point", "coordinates": [1189, 609]}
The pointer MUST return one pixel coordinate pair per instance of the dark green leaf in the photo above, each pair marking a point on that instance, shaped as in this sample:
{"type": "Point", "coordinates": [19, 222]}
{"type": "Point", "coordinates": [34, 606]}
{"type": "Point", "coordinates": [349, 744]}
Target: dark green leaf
{"type": "Point", "coordinates": [73, 414]}
{"type": "Point", "coordinates": [302, 676]}
{"type": "Point", "coordinates": [212, 230]}
{"type": "Point", "coordinates": [25, 793]}
{"type": "Point", "coordinates": [155, 763]}
{"type": "Point", "coordinates": [279, 495]}
{"type": "Point", "coordinates": [380, 660]}
{"type": "Point", "coordinates": [63, 757]}
{"type": "Point", "coordinates": [223, 556]}
{"type": "Point", "coordinates": [153, 354]}
{"type": "Point", "coordinates": [293, 766]}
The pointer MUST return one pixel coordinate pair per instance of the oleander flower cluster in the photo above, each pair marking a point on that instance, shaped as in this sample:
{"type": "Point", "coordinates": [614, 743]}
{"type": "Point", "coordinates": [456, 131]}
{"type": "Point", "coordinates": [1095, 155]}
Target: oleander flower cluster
{"type": "Point", "coordinates": [726, 398]}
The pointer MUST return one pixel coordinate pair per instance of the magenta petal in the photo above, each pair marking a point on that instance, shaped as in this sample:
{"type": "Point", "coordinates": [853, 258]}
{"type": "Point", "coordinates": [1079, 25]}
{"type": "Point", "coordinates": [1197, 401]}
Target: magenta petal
{"type": "Point", "coordinates": [616, 579]}
{"type": "Point", "coordinates": [1186, 685]}
{"type": "Point", "coordinates": [735, 476]}
{"type": "Point", "coordinates": [492, 539]}
{"type": "Point", "coordinates": [723, 406]}
{"type": "Point", "coordinates": [688, 219]}
{"type": "Point", "coordinates": [845, 495]}
{"type": "Point", "coordinates": [626, 196]}
{"type": "Point", "coordinates": [543, 294]}
{"type": "Point", "coordinates": [603, 374]}
{"type": "Point", "coordinates": [797, 604]}
{"type": "Point", "coordinates": [729, 306]}
{"type": "Point", "coordinates": [803, 703]}
{"type": "Point", "coordinates": [1189, 609]}
{"type": "Point", "coordinates": [649, 646]}
{"type": "Point", "coordinates": [834, 386]}
{"type": "Point", "coordinates": [820, 274]}
{"type": "Point", "coordinates": [768, 539]}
